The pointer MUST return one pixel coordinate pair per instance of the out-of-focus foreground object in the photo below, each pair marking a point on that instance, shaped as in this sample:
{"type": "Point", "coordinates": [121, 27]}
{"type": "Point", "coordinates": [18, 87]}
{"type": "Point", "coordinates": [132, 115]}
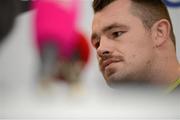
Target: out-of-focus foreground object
{"type": "Point", "coordinates": [63, 50]}
{"type": "Point", "coordinates": [8, 12]}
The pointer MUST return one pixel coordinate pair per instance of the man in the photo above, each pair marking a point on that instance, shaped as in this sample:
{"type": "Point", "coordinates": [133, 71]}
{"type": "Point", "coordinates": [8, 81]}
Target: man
{"type": "Point", "coordinates": [135, 42]}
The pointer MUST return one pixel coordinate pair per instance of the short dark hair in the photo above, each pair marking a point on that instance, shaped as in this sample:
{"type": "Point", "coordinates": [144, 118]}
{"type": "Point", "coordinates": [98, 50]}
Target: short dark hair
{"type": "Point", "coordinates": [149, 11]}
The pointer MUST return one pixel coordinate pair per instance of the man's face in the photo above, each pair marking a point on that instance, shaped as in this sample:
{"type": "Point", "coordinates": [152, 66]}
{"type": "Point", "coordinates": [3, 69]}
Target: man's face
{"type": "Point", "coordinates": [124, 46]}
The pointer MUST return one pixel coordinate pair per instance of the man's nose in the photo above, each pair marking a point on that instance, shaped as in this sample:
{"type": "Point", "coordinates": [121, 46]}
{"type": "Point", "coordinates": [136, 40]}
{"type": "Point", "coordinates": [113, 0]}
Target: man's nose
{"type": "Point", "coordinates": [104, 50]}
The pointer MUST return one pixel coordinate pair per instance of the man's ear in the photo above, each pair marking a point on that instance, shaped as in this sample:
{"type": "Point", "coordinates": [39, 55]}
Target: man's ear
{"type": "Point", "coordinates": [160, 32]}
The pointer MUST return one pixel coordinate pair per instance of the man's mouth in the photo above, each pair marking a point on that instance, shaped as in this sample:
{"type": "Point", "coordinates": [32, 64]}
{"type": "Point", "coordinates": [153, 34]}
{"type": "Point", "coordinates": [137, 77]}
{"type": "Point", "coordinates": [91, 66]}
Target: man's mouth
{"type": "Point", "coordinates": [109, 61]}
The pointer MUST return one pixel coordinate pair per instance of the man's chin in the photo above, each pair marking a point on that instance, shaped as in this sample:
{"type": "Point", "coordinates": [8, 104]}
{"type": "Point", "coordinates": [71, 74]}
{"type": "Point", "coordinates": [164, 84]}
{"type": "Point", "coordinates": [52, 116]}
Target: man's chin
{"type": "Point", "coordinates": [115, 80]}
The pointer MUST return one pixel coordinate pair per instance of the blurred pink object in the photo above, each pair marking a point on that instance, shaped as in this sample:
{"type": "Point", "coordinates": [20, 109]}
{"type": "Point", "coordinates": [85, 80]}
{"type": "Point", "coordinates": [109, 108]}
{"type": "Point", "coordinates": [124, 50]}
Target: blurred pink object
{"type": "Point", "coordinates": [56, 24]}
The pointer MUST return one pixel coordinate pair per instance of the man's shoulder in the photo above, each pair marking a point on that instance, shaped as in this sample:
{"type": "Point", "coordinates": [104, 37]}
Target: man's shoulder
{"type": "Point", "coordinates": [174, 87]}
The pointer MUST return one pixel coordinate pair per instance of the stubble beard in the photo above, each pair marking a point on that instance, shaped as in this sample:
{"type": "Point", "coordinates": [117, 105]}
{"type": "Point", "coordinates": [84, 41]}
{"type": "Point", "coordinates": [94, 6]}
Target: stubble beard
{"type": "Point", "coordinates": [125, 77]}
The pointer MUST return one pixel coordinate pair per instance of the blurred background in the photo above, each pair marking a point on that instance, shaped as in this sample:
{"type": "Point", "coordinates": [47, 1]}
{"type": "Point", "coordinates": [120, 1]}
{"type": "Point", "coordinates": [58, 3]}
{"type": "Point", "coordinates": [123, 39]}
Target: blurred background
{"type": "Point", "coordinates": [23, 97]}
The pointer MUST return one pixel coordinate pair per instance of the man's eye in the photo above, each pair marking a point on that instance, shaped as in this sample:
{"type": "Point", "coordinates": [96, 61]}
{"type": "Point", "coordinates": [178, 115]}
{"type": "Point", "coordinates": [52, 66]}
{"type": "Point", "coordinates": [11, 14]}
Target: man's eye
{"type": "Point", "coordinates": [116, 34]}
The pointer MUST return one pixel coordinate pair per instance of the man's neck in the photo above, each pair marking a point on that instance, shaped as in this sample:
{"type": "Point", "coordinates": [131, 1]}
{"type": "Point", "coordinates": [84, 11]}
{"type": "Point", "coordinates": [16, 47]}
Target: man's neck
{"type": "Point", "coordinates": [166, 72]}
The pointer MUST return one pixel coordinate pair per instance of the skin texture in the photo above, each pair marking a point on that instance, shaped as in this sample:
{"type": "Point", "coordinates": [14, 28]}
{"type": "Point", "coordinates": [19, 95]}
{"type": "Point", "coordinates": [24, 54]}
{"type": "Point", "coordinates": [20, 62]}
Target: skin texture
{"type": "Point", "coordinates": [130, 53]}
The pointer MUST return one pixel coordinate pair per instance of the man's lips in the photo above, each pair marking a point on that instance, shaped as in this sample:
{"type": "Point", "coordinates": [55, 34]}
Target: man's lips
{"type": "Point", "coordinates": [109, 61]}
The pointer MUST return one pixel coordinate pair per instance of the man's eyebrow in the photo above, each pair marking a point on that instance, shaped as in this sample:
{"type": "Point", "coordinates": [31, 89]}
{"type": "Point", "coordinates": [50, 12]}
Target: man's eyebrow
{"type": "Point", "coordinates": [114, 25]}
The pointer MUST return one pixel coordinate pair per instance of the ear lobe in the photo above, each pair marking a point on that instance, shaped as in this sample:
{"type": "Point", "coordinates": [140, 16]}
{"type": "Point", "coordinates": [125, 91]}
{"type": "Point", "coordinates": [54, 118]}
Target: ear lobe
{"type": "Point", "coordinates": [160, 32]}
